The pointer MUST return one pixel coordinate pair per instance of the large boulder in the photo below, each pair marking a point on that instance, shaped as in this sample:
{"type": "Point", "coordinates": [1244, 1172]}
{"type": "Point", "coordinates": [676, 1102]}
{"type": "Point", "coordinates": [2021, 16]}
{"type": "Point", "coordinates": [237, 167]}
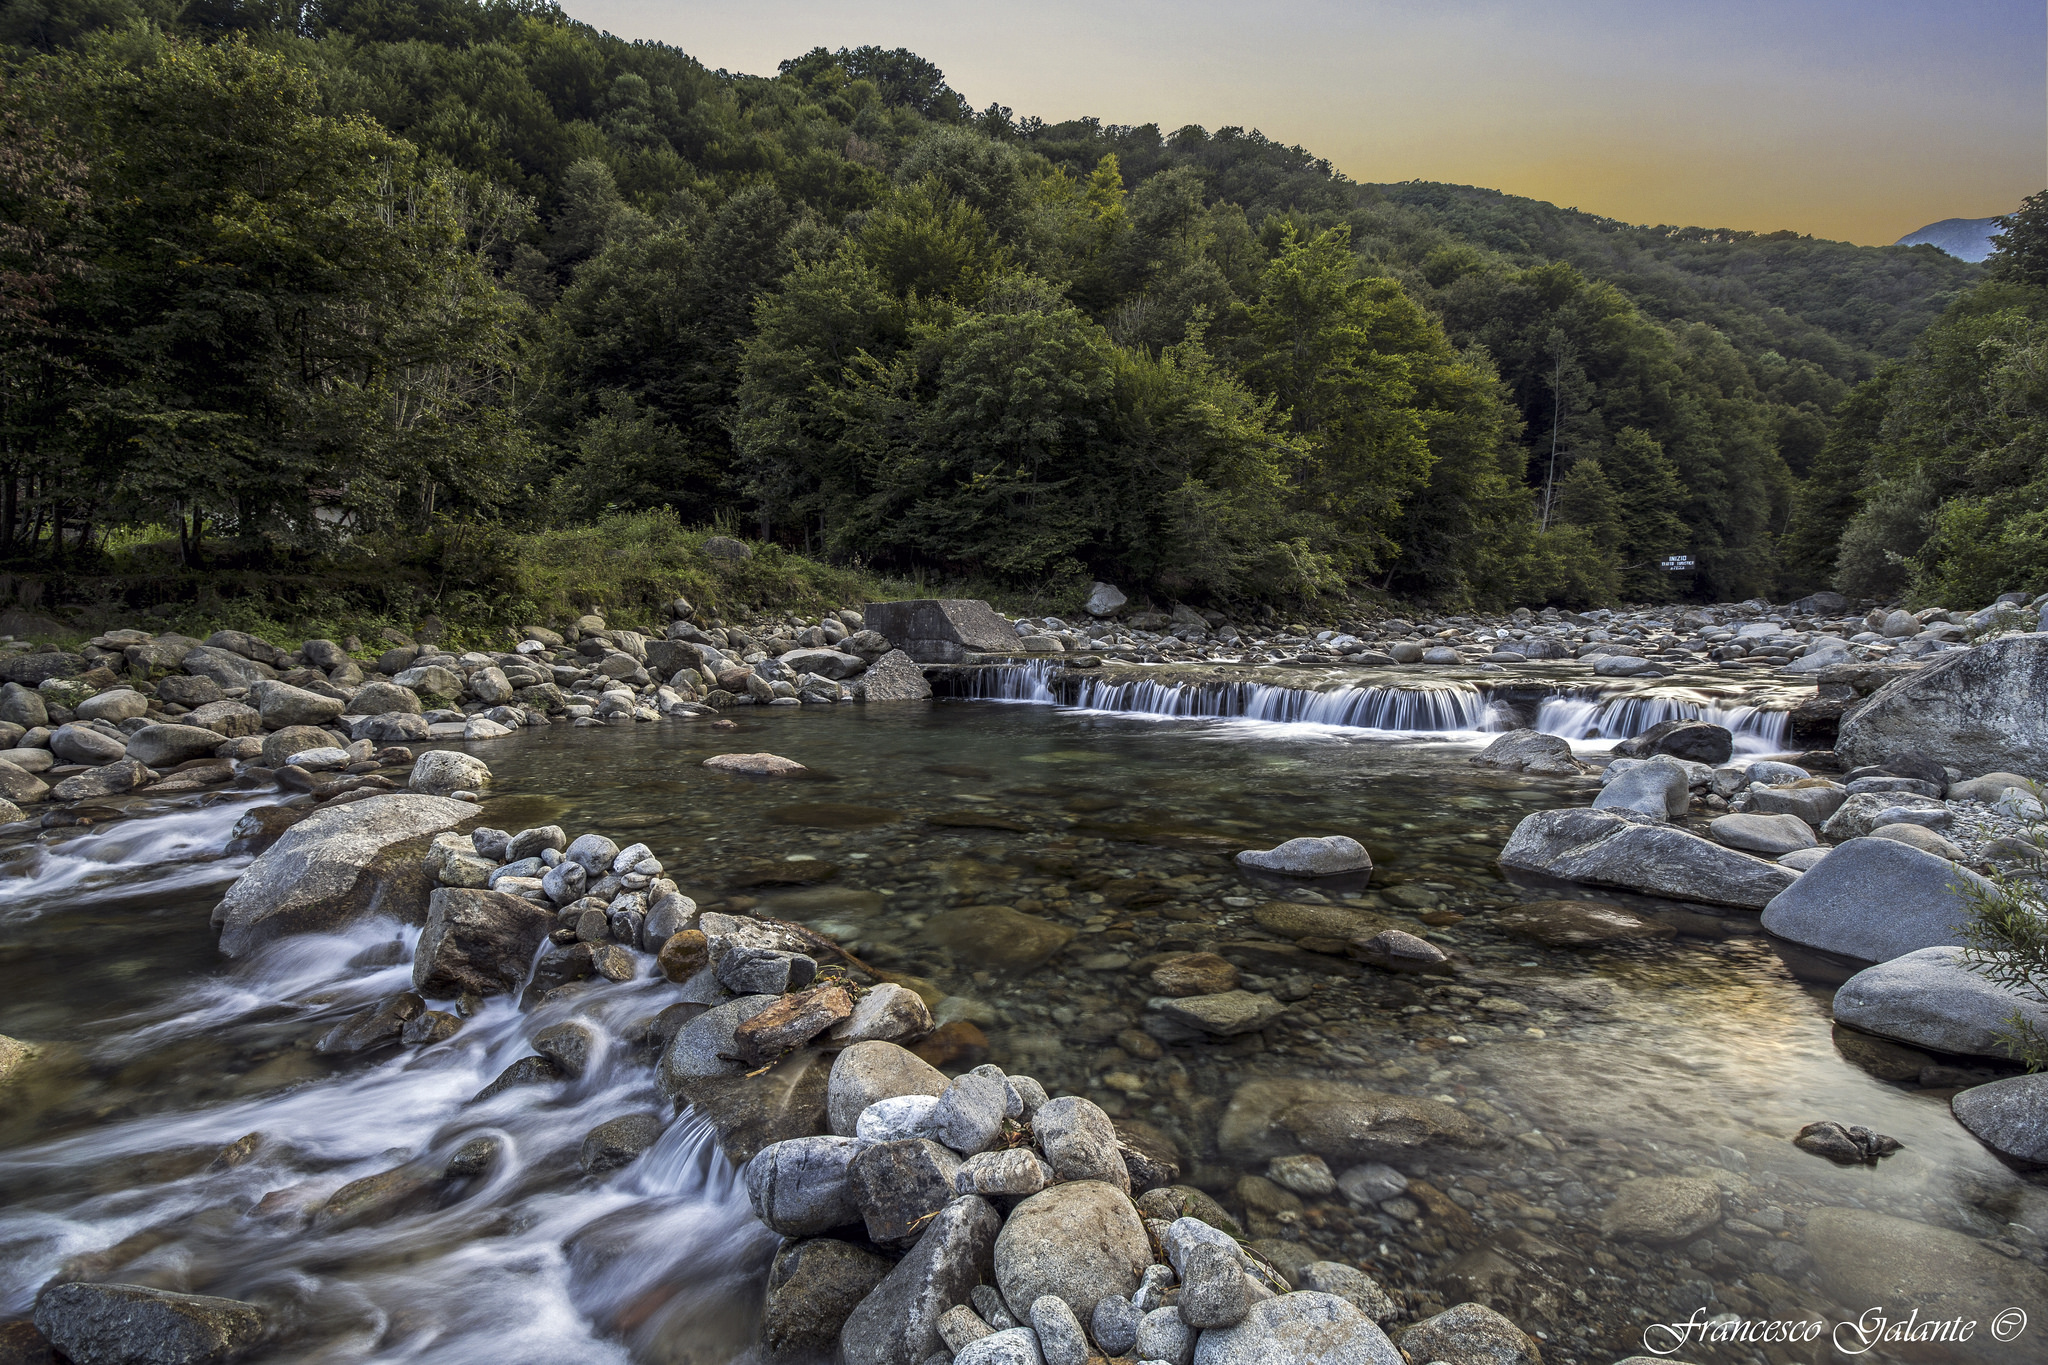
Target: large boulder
{"type": "Point", "coordinates": [31, 670]}
{"type": "Point", "coordinates": [166, 746]}
{"type": "Point", "coordinates": [339, 864]}
{"type": "Point", "coordinates": [802, 1187]}
{"type": "Point", "coordinates": [1975, 709]}
{"type": "Point", "coordinates": [1531, 751]}
{"type": "Point", "coordinates": [1863, 812]}
{"type": "Point", "coordinates": [280, 745]}
{"type": "Point", "coordinates": [1696, 741]}
{"type": "Point", "coordinates": [2009, 1116]}
{"type": "Point", "coordinates": [1772, 836]}
{"type": "Point", "coordinates": [1317, 856]}
{"type": "Point", "coordinates": [1658, 788]}
{"type": "Point", "coordinates": [876, 1070]}
{"type": "Point", "coordinates": [941, 630]}
{"type": "Point", "coordinates": [1302, 1328]}
{"type": "Point", "coordinates": [829, 663]}
{"type": "Point", "coordinates": [1640, 853]}
{"type": "Point", "coordinates": [21, 786]}
{"type": "Point", "coordinates": [84, 744]}
{"type": "Point", "coordinates": [382, 699]}
{"type": "Point", "coordinates": [1470, 1334]}
{"type": "Point", "coordinates": [898, 1323]}
{"type": "Point", "coordinates": [895, 677]}
{"type": "Point", "coordinates": [1338, 1121]}
{"type": "Point", "coordinates": [813, 1288]}
{"type": "Point", "coordinates": [132, 1324]}
{"type": "Point", "coordinates": [1875, 899]}
{"type": "Point", "coordinates": [114, 705]}
{"type": "Point", "coordinates": [442, 772]}
{"type": "Point", "coordinates": [1932, 999]}
{"type": "Point", "coordinates": [1080, 1241]}
{"type": "Point", "coordinates": [225, 667]}
{"type": "Point", "coordinates": [281, 704]}
{"type": "Point", "coordinates": [477, 941]}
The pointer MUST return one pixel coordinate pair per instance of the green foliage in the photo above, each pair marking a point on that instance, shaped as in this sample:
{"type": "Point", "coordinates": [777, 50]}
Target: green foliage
{"type": "Point", "coordinates": [2006, 939]}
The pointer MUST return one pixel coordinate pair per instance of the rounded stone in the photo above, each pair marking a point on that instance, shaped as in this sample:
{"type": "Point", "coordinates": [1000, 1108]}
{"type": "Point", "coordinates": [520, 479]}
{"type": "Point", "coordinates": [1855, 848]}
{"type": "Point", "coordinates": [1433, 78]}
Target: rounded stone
{"type": "Point", "coordinates": [1662, 1209]}
{"type": "Point", "coordinates": [1079, 1241]}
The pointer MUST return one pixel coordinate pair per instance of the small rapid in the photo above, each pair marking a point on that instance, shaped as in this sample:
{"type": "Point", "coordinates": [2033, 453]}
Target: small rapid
{"type": "Point", "coordinates": [1587, 718]}
{"type": "Point", "coordinates": [163, 853]}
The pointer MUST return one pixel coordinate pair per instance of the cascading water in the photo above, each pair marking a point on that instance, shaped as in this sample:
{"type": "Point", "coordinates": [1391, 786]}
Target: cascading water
{"type": "Point", "coordinates": [1580, 718]}
{"type": "Point", "coordinates": [178, 850]}
{"type": "Point", "coordinates": [1435, 708]}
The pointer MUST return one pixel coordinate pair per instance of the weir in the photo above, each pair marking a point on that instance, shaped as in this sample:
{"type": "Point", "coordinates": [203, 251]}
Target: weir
{"type": "Point", "coordinates": [1575, 711]}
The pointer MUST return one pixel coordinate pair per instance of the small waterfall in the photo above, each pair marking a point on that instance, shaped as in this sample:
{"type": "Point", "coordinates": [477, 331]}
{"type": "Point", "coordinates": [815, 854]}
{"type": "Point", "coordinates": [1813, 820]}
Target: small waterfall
{"type": "Point", "coordinates": [1582, 717]}
{"type": "Point", "coordinates": [1429, 708]}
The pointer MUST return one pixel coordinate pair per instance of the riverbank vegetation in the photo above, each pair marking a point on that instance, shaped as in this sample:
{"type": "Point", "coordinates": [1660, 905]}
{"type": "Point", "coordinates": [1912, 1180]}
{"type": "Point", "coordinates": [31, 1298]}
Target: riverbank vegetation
{"type": "Point", "coordinates": [371, 303]}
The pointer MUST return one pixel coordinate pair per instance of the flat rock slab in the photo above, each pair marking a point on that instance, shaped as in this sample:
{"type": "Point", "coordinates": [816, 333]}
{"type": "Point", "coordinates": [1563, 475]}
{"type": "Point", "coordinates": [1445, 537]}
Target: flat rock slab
{"type": "Point", "coordinates": [1930, 999]}
{"type": "Point", "coordinates": [1980, 710]}
{"type": "Point", "coordinates": [933, 630]}
{"type": "Point", "coordinates": [126, 1324]}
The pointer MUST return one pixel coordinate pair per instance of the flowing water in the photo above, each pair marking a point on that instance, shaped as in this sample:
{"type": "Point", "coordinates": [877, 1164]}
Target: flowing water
{"type": "Point", "coordinates": [1698, 1054]}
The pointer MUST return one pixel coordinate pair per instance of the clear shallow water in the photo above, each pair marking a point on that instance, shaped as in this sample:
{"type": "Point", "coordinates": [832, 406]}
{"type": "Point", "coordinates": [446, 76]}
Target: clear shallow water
{"type": "Point", "coordinates": [1697, 1055]}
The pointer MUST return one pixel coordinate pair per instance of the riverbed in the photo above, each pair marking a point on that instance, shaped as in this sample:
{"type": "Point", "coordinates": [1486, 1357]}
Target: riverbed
{"type": "Point", "coordinates": [1698, 1054]}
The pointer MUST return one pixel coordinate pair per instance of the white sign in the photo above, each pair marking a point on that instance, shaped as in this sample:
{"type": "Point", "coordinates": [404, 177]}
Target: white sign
{"type": "Point", "coordinates": [1677, 562]}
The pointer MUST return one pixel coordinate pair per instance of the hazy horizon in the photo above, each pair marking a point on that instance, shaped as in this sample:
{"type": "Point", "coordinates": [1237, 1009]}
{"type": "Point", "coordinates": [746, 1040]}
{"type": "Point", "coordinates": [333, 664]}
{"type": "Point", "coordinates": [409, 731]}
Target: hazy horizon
{"type": "Point", "coordinates": [1862, 122]}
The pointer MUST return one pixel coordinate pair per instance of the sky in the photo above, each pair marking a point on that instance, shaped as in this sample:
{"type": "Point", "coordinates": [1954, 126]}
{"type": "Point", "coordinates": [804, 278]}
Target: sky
{"type": "Point", "coordinates": [1857, 121]}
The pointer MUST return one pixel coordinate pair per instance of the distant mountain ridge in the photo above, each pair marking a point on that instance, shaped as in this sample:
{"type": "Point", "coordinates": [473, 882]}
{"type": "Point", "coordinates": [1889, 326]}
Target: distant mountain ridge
{"type": "Point", "coordinates": [1966, 239]}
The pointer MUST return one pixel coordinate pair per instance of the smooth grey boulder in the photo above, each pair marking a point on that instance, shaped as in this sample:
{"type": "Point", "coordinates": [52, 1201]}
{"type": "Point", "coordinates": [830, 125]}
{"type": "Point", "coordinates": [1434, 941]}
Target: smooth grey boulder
{"type": "Point", "coordinates": [1078, 1241]}
{"type": "Point", "coordinates": [83, 744]}
{"type": "Point", "coordinates": [886, 1013]}
{"type": "Point", "coordinates": [1931, 999]}
{"type": "Point", "coordinates": [1011, 1346]}
{"type": "Point", "coordinates": [593, 853]}
{"type": "Point", "coordinates": [900, 1117]}
{"type": "Point", "coordinates": [1470, 1334]}
{"type": "Point", "coordinates": [1769, 836]}
{"type": "Point", "coordinates": [941, 630]}
{"type": "Point", "coordinates": [477, 942]}
{"type": "Point", "coordinates": [281, 704]}
{"type": "Point", "coordinates": [969, 1115]}
{"type": "Point", "coordinates": [130, 1324]}
{"type": "Point", "coordinates": [1978, 709]}
{"type": "Point", "coordinates": [705, 1047]}
{"type": "Point", "coordinates": [1079, 1142]}
{"type": "Point", "coordinates": [1164, 1336]}
{"type": "Point", "coordinates": [827, 663]}
{"type": "Point", "coordinates": [166, 746]}
{"type": "Point", "coordinates": [1214, 1292]}
{"type": "Point", "coordinates": [1114, 1324]}
{"type": "Point", "coordinates": [871, 1071]}
{"type": "Point", "coordinates": [1641, 853]}
{"type": "Point", "coordinates": [225, 667]}
{"type": "Point", "coordinates": [898, 1323]}
{"type": "Point", "coordinates": [1013, 1171]}
{"type": "Point", "coordinates": [23, 706]}
{"type": "Point", "coordinates": [1303, 1328]}
{"type": "Point", "coordinates": [802, 1187]}
{"type": "Point", "coordinates": [895, 677]}
{"type": "Point", "coordinates": [1325, 856]}
{"type": "Point", "coordinates": [1696, 741]}
{"type": "Point", "coordinates": [1874, 899]}
{"type": "Point", "coordinates": [1659, 790]}
{"type": "Point", "coordinates": [122, 775]}
{"type": "Point", "coordinates": [1060, 1338]}
{"type": "Point", "coordinates": [19, 785]}
{"type": "Point", "coordinates": [339, 864]}
{"type": "Point", "coordinates": [2009, 1116]}
{"type": "Point", "coordinates": [1103, 599]}
{"type": "Point", "coordinates": [384, 699]}
{"type": "Point", "coordinates": [1352, 1285]}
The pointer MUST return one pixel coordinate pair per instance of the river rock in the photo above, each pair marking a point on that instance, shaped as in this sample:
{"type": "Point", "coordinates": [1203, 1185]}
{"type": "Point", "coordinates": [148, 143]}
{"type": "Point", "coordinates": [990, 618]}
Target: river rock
{"type": "Point", "coordinates": [2009, 1116]}
{"type": "Point", "coordinates": [754, 765]}
{"type": "Point", "coordinates": [106, 780]}
{"type": "Point", "coordinates": [114, 705]}
{"type": "Point", "coordinates": [1012, 1346]}
{"type": "Point", "coordinates": [568, 1045]}
{"type": "Point", "coordinates": [280, 745]}
{"type": "Point", "coordinates": [1662, 1209]}
{"type": "Point", "coordinates": [1931, 999]}
{"type": "Point", "coordinates": [385, 699]}
{"type": "Point", "coordinates": [1103, 600]}
{"type": "Point", "coordinates": [941, 630]}
{"type": "Point", "coordinates": [1214, 1292]}
{"type": "Point", "coordinates": [1470, 1334]}
{"type": "Point", "coordinates": [997, 936]}
{"type": "Point", "coordinates": [898, 1323]}
{"type": "Point", "coordinates": [476, 942]}
{"type": "Point", "coordinates": [1224, 1015]}
{"type": "Point", "coordinates": [791, 1022]}
{"type": "Point", "coordinates": [24, 788]}
{"type": "Point", "coordinates": [1771, 836]}
{"type": "Point", "coordinates": [1531, 751]}
{"type": "Point", "coordinates": [1864, 1257]}
{"type": "Point", "coordinates": [1974, 709]}
{"type": "Point", "coordinates": [1080, 1142]}
{"type": "Point", "coordinates": [339, 864]}
{"type": "Point", "coordinates": [1193, 974]}
{"type": "Point", "coordinates": [83, 744]}
{"type": "Point", "coordinates": [438, 772]}
{"type": "Point", "coordinates": [1874, 899]}
{"type": "Point", "coordinates": [1341, 1122]}
{"type": "Point", "coordinates": [871, 1071]}
{"type": "Point", "coordinates": [1013, 1172]}
{"type": "Point", "coordinates": [969, 1115]}
{"type": "Point", "coordinates": [22, 706]}
{"type": "Point", "coordinates": [1395, 950]}
{"type": "Point", "coordinates": [1303, 1328]}
{"type": "Point", "coordinates": [1296, 919]}
{"type": "Point", "coordinates": [1862, 812]}
{"type": "Point", "coordinates": [897, 1186]}
{"type": "Point", "coordinates": [1657, 789]}
{"type": "Point", "coordinates": [1812, 800]}
{"type": "Point", "coordinates": [813, 1287]}
{"type": "Point", "coordinates": [225, 667]}
{"type": "Point", "coordinates": [1322, 856]}
{"type": "Point", "coordinates": [617, 1143]}
{"type": "Point", "coordinates": [128, 1324]}
{"type": "Point", "coordinates": [1695, 741]}
{"type": "Point", "coordinates": [887, 1013]}
{"type": "Point", "coordinates": [281, 704]}
{"type": "Point", "coordinates": [1352, 1285]}
{"type": "Point", "coordinates": [895, 677]}
{"type": "Point", "coordinates": [704, 1047]}
{"type": "Point", "coordinates": [166, 746]}
{"type": "Point", "coordinates": [1638, 853]}
{"type": "Point", "coordinates": [804, 1186]}
{"type": "Point", "coordinates": [1078, 1241]}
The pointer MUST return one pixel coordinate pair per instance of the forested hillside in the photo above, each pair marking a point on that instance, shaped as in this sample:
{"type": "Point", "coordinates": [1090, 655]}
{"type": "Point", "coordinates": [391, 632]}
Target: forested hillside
{"type": "Point", "coordinates": [284, 285]}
